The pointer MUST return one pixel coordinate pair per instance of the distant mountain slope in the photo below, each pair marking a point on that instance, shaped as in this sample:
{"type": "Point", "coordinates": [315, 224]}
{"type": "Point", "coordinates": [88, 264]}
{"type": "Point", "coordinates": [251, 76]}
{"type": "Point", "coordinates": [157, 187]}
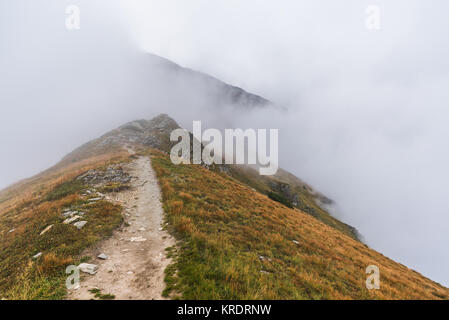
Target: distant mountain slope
{"type": "Point", "coordinates": [223, 93]}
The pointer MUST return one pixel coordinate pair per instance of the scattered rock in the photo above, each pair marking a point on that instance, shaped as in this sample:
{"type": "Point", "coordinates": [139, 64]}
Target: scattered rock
{"type": "Point", "coordinates": [262, 258]}
{"type": "Point", "coordinates": [137, 239]}
{"type": "Point", "coordinates": [88, 268]}
{"type": "Point", "coordinates": [70, 220]}
{"type": "Point", "coordinates": [142, 229]}
{"type": "Point", "coordinates": [46, 229]}
{"type": "Point", "coordinates": [36, 256]}
{"type": "Point", "coordinates": [130, 272]}
{"type": "Point", "coordinates": [102, 256]}
{"type": "Point", "coordinates": [111, 174]}
{"type": "Point", "coordinates": [69, 213]}
{"type": "Point", "coordinates": [80, 224]}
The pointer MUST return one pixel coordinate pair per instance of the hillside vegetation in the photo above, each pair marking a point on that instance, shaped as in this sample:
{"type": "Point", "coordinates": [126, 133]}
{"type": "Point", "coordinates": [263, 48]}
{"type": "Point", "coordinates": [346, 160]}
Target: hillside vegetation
{"type": "Point", "coordinates": [239, 235]}
{"type": "Point", "coordinates": [291, 191]}
{"type": "Point", "coordinates": [236, 243]}
{"type": "Point", "coordinates": [31, 207]}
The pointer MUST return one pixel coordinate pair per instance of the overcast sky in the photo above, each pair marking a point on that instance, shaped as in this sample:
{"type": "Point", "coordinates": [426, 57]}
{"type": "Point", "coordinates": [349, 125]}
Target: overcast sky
{"type": "Point", "coordinates": [367, 109]}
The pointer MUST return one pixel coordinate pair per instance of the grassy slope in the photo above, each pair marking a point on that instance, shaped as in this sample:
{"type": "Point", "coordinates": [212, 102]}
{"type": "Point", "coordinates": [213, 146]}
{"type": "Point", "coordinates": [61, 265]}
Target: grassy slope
{"type": "Point", "coordinates": [224, 227]}
{"type": "Point", "coordinates": [307, 199]}
{"type": "Point", "coordinates": [38, 206]}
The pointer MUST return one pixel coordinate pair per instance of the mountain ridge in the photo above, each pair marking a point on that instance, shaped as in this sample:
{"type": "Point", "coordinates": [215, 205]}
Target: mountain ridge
{"type": "Point", "coordinates": [155, 133]}
{"type": "Point", "coordinates": [232, 95]}
{"type": "Point", "coordinates": [238, 235]}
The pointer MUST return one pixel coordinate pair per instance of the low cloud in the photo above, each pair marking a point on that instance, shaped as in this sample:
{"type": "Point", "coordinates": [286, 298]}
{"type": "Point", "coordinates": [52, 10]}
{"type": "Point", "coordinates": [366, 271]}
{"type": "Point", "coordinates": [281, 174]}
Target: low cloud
{"type": "Point", "coordinates": [366, 109]}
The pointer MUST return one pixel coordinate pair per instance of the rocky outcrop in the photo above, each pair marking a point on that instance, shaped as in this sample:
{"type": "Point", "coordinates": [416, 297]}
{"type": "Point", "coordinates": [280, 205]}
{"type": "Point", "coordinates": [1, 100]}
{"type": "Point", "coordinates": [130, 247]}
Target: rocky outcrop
{"type": "Point", "coordinates": [153, 133]}
{"type": "Point", "coordinates": [111, 174]}
{"type": "Point", "coordinates": [88, 268]}
{"type": "Point", "coordinates": [285, 190]}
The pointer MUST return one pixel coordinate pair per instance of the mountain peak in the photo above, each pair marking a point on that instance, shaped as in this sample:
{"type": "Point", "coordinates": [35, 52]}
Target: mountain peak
{"type": "Point", "coordinates": [160, 122]}
{"type": "Point", "coordinates": [151, 133]}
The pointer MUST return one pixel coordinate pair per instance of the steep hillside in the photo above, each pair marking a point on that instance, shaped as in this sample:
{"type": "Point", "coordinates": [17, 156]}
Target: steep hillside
{"type": "Point", "coordinates": [237, 243]}
{"type": "Point", "coordinates": [37, 243]}
{"type": "Point", "coordinates": [240, 235]}
{"type": "Point", "coordinates": [219, 94]}
{"type": "Point", "coordinates": [293, 192]}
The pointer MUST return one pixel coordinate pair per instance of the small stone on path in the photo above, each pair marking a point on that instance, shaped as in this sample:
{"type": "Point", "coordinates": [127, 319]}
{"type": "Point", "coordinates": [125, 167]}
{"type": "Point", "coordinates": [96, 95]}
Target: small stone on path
{"type": "Point", "coordinates": [102, 256]}
{"type": "Point", "coordinates": [88, 268]}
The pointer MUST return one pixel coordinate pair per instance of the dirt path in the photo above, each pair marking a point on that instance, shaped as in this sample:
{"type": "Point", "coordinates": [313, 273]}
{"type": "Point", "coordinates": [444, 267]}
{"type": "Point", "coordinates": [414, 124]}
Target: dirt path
{"type": "Point", "coordinates": [136, 253]}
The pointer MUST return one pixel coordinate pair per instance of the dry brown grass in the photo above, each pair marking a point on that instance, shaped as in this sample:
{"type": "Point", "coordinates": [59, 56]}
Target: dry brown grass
{"type": "Point", "coordinates": [31, 207]}
{"type": "Point", "coordinates": [52, 263]}
{"type": "Point", "coordinates": [225, 227]}
{"type": "Point", "coordinates": [24, 192]}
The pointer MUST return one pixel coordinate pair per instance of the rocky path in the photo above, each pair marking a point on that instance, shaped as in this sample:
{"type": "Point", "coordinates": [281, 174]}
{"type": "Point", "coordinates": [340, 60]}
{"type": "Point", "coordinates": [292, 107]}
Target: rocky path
{"type": "Point", "coordinates": [136, 253]}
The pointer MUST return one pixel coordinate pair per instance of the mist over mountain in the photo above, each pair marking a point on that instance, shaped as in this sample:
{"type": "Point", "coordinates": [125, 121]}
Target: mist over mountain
{"type": "Point", "coordinates": [362, 115]}
{"type": "Point", "coordinates": [84, 83]}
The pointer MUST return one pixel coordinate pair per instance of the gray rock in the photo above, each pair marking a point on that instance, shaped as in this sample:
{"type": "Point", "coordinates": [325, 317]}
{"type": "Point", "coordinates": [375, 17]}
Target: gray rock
{"type": "Point", "coordinates": [102, 256]}
{"type": "Point", "coordinates": [46, 230]}
{"type": "Point", "coordinates": [70, 220]}
{"type": "Point", "coordinates": [69, 213]}
{"type": "Point", "coordinates": [88, 268]}
{"type": "Point", "coordinates": [36, 256]}
{"type": "Point", "coordinates": [80, 224]}
{"type": "Point", "coordinates": [101, 177]}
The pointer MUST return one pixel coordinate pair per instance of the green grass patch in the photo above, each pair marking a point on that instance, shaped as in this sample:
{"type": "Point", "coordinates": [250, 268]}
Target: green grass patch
{"type": "Point", "coordinates": [65, 189]}
{"type": "Point", "coordinates": [97, 294]}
